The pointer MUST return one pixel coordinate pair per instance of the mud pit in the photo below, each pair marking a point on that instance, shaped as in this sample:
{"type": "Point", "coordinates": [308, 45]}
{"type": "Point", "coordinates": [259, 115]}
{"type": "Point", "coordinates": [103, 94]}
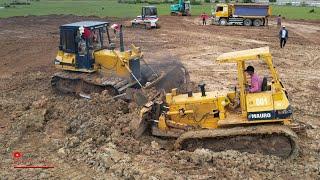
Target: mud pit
{"type": "Point", "coordinates": [86, 139]}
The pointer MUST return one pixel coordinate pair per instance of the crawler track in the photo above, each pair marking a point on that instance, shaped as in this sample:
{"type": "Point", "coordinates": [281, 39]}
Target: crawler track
{"type": "Point", "coordinates": [68, 82]}
{"type": "Point", "coordinates": [275, 140]}
{"type": "Point", "coordinates": [76, 83]}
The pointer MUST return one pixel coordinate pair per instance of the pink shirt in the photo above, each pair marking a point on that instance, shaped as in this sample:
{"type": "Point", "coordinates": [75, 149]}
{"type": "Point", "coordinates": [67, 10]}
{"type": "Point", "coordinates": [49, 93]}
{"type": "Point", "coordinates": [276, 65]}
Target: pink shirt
{"type": "Point", "coordinates": [256, 84]}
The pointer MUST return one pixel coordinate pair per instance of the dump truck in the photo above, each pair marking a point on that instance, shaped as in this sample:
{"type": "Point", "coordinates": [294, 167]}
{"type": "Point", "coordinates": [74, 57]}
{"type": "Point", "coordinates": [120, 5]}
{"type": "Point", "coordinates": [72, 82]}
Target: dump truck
{"type": "Point", "coordinates": [89, 63]}
{"type": "Point", "coordinates": [241, 14]}
{"type": "Point", "coordinates": [227, 120]}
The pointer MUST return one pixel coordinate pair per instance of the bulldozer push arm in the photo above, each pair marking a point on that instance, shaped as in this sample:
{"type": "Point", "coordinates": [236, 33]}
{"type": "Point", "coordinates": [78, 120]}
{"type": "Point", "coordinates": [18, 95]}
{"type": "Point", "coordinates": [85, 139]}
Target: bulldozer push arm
{"type": "Point", "coordinates": [123, 63]}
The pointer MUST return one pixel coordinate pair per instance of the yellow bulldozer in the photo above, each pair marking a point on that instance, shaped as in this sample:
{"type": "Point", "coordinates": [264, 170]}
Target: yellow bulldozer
{"type": "Point", "coordinates": [90, 64]}
{"type": "Point", "coordinates": [217, 120]}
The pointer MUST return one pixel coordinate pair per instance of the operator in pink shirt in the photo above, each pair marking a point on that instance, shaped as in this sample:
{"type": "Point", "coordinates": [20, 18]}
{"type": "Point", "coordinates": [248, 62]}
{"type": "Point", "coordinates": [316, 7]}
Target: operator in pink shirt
{"type": "Point", "coordinates": [256, 82]}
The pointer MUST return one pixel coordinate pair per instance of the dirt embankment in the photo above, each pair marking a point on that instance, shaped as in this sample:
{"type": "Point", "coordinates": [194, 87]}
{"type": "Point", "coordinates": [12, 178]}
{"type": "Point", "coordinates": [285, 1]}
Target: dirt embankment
{"type": "Point", "coordinates": [91, 138]}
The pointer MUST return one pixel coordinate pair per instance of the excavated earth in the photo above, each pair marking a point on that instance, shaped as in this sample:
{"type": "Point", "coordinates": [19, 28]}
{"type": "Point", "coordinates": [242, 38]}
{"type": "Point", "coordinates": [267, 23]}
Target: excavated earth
{"type": "Point", "coordinates": [92, 139]}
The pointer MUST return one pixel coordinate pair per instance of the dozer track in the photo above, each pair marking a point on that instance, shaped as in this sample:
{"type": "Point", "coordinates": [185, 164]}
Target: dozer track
{"type": "Point", "coordinates": [278, 140]}
{"type": "Point", "coordinates": [85, 83]}
{"type": "Point", "coordinates": [78, 83]}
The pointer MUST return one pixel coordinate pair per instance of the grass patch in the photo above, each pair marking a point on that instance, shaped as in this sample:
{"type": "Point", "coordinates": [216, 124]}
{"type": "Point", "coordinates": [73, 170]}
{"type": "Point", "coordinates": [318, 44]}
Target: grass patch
{"type": "Point", "coordinates": [112, 8]}
{"type": "Point", "coordinates": [293, 12]}
{"type": "Point", "coordinates": [101, 8]}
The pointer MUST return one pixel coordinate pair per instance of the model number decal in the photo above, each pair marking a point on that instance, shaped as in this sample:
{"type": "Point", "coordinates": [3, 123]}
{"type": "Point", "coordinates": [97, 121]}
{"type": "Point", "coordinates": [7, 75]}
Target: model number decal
{"type": "Point", "coordinates": [260, 116]}
{"type": "Point", "coordinates": [261, 101]}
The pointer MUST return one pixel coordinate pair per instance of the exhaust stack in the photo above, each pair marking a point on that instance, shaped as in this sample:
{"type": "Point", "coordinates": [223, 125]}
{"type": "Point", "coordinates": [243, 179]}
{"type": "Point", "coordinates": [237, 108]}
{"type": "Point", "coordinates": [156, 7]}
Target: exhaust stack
{"type": "Point", "coordinates": [121, 39]}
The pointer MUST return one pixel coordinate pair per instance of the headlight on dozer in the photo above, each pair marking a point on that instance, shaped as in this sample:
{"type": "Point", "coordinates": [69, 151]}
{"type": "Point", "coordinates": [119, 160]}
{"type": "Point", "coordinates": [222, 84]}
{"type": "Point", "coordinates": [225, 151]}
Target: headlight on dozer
{"type": "Point", "coordinates": [56, 61]}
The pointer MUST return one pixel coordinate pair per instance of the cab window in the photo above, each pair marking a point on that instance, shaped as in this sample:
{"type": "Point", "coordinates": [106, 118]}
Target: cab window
{"type": "Point", "coordinates": [220, 8]}
{"type": "Point", "coordinates": [150, 11]}
{"type": "Point", "coordinates": [67, 40]}
{"type": "Point", "coordinates": [186, 6]}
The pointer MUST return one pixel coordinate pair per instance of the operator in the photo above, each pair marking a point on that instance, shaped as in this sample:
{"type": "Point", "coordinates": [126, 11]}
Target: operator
{"type": "Point", "coordinates": [204, 17]}
{"type": "Point", "coordinates": [256, 82]}
{"type": "Point", "coordinates": [116, 28]}
{"type": "Point", "coordinates": [283, 36]}
{"type": "Point", "coordinates": [86, 33]}
{"type": "Point", "coordinates": [82, 41]}
{"type": "Point", "coordinates": [82, 47]}
{"type": "Point", "coordinates": [279, 20]}
{"type": "Point", "coordinates": [95, 39]}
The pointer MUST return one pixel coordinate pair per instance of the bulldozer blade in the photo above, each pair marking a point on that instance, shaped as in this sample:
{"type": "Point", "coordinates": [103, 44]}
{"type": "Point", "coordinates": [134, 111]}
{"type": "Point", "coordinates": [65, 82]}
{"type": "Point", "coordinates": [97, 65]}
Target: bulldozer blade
{"type": "Point", "coordinates": [140, 99]}
{"type": "Point", "coordinates": [140, 125]}
{"type": "Point", "coordinates": [137, 96]}
{"type": "Point", "coordinates": [155, 81]}
{"type": "Point", "coordinates": [171, 76]}
{"type": "Point", "coordinates": [178, 77]}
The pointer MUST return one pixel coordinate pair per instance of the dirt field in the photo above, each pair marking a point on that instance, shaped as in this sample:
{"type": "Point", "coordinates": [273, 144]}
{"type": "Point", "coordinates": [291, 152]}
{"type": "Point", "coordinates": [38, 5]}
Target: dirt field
{"type": "Point", "coordinates": [86, 139]}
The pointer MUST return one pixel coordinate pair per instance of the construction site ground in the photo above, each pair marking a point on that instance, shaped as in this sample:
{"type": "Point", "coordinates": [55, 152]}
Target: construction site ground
{"type": "Point", "coordinates": [84, 139]}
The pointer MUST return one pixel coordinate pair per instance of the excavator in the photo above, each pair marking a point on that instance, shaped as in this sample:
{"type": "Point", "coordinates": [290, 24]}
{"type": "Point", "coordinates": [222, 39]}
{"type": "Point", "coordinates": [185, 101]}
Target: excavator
{"type": "Point", "coordinates": [258, 122]}
{"type": "Point", "coordinates": [181, 9]}
{"type": "Point", "coordinates": [89, 64]}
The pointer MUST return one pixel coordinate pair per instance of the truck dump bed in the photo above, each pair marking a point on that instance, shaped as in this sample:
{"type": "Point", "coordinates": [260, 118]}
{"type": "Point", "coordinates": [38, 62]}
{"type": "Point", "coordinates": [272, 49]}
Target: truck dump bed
{"type": "Point", "coordinates": [251, 10]}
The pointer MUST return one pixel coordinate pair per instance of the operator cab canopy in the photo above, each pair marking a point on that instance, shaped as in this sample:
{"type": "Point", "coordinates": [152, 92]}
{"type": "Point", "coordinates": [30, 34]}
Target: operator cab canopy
{"type": "Point", "coordinates": [70, 33]}
{"type": "Point", "coordinates": [238, 56]}
{"type": "Point", "coordinates": [86, 24]}
{"type": "Point", "coordinates": [149, 11]}
{"type": "Point", "coordinates": [220, 7]}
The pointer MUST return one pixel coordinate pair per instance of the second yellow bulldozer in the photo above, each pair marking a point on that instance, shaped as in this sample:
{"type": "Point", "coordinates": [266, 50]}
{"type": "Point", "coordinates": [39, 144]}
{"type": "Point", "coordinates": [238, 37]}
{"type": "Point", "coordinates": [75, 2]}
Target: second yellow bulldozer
{"type": "Point", "coordinates": [89, 64]}
{"type": "Point", "coordinates": [217, 120]}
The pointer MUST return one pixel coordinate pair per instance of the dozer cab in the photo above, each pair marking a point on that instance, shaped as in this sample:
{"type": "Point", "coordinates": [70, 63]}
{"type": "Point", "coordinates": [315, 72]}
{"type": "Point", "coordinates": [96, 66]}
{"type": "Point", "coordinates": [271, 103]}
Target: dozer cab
{"type": "Point", "coordinates": [148, 18]}
{"type": "Point", "coordinates": [90, 64]}
{"type": "Point", "coordinates": [218, 120]}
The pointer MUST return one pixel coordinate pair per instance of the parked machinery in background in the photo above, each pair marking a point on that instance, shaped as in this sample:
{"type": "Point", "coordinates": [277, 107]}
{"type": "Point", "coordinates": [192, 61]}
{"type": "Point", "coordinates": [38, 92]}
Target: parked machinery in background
{"type": "Point", "coordinates": [148, 18]}
{"type": "Point", "coordinates": [241, 14]}
{"type": "Point", "coordinates": [183, 8]}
